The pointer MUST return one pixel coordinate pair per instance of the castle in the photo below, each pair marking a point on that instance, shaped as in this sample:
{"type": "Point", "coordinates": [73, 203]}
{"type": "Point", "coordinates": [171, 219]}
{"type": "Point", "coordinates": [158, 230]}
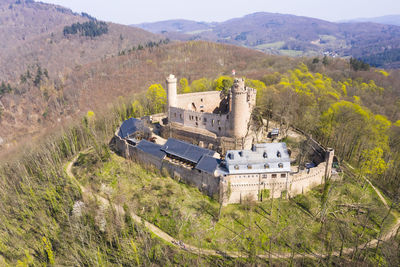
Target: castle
{"type": "Point", "coordinates": [217, 121]}
{"type": "Point", "coordinates": [198, 125]}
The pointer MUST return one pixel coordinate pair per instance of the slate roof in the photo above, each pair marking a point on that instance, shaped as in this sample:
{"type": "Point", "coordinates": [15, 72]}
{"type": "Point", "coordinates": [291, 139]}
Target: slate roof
{"type": "Point", "coordinates": [208, 164]}
{"type": "Point", "coordinates": [129, 126]}
{"type": "Point", "coordinates": [275, 131]}
{"type": "Point", "coordinates": [151, 148]}
{"type": "Point", "coordinates": [263, 158]}
{"type": "Point", "coordinates": [185, 150]}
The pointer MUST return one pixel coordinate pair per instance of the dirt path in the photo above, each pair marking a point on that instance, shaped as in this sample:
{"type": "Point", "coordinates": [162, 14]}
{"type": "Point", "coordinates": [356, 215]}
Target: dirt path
{"type": "Point", "coordinates": [211, 252]}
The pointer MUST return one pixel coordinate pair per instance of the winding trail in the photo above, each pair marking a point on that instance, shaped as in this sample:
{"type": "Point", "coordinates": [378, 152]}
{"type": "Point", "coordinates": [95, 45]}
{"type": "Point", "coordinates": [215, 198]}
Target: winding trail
{"type": "Point", "coordinates": [231, 254]}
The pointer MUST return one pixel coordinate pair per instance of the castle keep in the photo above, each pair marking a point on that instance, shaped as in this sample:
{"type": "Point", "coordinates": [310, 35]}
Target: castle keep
{"type": "Point", "coordinates": [198, 126]}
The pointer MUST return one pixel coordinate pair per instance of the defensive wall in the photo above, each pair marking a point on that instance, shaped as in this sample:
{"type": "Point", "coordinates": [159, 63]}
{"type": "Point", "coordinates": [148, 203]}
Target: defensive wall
{"type": "Point", "coordinates": [200, 101]}
{"type": "Point", "coordinates": [233, 188]}
{"type": "Point", "coordinates": [215, 123]}
{"type": "Point", "coordinates": [205, 182]}
{"type": "Point", "coordinates": [206, 139]}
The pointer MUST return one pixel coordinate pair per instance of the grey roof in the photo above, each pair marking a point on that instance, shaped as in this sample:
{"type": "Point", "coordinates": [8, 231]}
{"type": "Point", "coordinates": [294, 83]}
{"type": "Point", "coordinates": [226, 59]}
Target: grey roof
{"type": "Point", "coordinates": [151, 148]}
{"type": "Point", "coordinates": [263, 158]}
{"type": "Point", "coordinates": [275, 131]}
{"type": "Point", "coordinates": [185, 150]}
{"type": "Point", "coordinates": [208, 164]}
{"type": "Point", "coordinates": [129, 126]}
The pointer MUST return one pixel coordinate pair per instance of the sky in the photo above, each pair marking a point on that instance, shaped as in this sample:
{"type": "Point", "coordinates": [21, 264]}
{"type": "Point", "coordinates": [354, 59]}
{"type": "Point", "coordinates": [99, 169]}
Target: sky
{"type": "Point", "coordinates": [134, 11]}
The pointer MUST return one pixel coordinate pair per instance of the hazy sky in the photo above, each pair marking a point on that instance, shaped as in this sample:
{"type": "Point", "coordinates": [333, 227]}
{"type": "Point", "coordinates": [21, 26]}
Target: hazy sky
{"type": "Point", "coordinates": [135, 11]}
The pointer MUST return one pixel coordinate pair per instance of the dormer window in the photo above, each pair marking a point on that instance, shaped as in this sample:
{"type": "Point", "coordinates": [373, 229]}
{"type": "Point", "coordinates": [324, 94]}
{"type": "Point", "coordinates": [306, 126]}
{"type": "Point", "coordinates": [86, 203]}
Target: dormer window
{"type": "Point", "coordinates": [278, 154]}
{"type": "Point", "coordinates": [236, 167]}
{"type": "Point", "coordinates": [266, 166]}
{"type": "Point", "coordinates": [249, 167]}
{"type": "Point", "coordinates": [280, 165]}
{"type": "Point", "coordinates": [241, 153]}
{"type": "Point", "coordinates": [265, 155]}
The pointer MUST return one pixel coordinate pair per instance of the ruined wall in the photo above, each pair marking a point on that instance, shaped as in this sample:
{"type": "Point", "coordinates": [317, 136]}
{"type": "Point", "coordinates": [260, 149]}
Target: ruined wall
{"type": "Point", "coordinates": [144, 158]}
{"type": "Point", "coordinates": [219, 144]}
{"type": "Point", "coordinates": [215, 123]}
{"type": "Point", "coordinates": [250, 185]}
{"type": "Point", "coordinates": [205, 182]}
{"type": "Point", "coordinates": [303, 181]}
{"type": "Point", "coordinates": [200, 102]}
{"type": "Point", "coordinates": [119, 145]}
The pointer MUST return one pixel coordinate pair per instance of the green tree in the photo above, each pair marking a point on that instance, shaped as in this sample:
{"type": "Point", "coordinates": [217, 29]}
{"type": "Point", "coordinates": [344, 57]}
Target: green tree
{"type": "Point", "coordinates": [137, 109]}
{"type": "Point", "coordinates": [372, 162]}
{"type": "Point", "coordinates": [156, 98]}
{"type": "Point", "coordinates": [223, 83]}
{"type": "Point", "coordinates": [184, 87]}
{"type": "Point", "coordinates": [201, 85]}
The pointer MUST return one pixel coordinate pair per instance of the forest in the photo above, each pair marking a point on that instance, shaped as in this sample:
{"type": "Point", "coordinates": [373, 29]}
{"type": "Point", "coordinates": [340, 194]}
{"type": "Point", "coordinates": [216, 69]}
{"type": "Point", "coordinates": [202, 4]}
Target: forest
{"type": "Point", "coordinates": [47, 219]}
{"type": "Point", "coordinates": [92, 28]}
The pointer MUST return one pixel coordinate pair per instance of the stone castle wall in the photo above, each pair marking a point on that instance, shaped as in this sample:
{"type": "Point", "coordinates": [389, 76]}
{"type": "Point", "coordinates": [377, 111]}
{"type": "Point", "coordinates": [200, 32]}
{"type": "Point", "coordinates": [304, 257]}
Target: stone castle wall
{"type": "Point", "coordinates": [219, 144]}
{"type": "Point", "coordinates": [200, 102]}
{"type": "Point", "coordinates": [230, 188]}
{"type": "Point", "coordinates": [215, 123]}
{"type": "Point", "coordinates": [205, 182]}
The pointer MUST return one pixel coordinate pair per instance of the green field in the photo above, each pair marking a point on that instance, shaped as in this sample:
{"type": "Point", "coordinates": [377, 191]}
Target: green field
{"type": "Point", "coordinates": [291, 53]}
{"type": "Point", "coordinates": [275, 45]}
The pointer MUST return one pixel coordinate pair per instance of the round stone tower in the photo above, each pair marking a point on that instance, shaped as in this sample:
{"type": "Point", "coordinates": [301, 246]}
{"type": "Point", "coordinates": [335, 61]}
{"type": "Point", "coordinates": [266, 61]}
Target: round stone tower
{"type": "Point", "coordinates": [171, 91]}
{"type": "Point", "coordinates": [240, 113]}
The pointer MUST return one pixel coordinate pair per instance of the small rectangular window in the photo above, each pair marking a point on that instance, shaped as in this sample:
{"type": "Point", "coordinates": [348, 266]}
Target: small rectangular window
{"type": "Point", "coordinates": [283, 175]}
{"type": "Point", "coordinates": [273, 175]}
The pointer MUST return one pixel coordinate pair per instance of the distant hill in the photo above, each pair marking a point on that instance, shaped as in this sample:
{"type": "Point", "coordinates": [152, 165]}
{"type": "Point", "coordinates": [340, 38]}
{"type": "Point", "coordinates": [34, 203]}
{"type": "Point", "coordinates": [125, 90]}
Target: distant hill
{"type": "Point", "coordinates": [291, 35]}
{"type": "Point", "coordinates": [32, 33]}
{"type": "Point", "coordinates": [389, 19]}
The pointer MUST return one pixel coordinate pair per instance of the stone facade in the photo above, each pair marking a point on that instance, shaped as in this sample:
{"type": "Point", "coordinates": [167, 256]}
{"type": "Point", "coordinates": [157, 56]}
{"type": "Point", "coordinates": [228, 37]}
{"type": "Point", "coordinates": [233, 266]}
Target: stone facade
{"type": "Point", "coordinates": [223, 116]}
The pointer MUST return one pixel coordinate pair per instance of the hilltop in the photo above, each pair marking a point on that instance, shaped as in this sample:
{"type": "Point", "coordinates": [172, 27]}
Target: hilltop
{"type": "Point", "coordinates": [292, 35]}
{"type": "Point", "coordinates": [32, 33]}
{"type": "Point", "coordinates": [389, 19]}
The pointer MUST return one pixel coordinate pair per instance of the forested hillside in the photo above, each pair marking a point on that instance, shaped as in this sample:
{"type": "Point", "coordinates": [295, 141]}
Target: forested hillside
{"type": "Point", "coordinates": [341, 108]}
{"type": "Point", "coordinates": [34, 33]}
{"type": "Point", "coordinates": [38, 102]}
